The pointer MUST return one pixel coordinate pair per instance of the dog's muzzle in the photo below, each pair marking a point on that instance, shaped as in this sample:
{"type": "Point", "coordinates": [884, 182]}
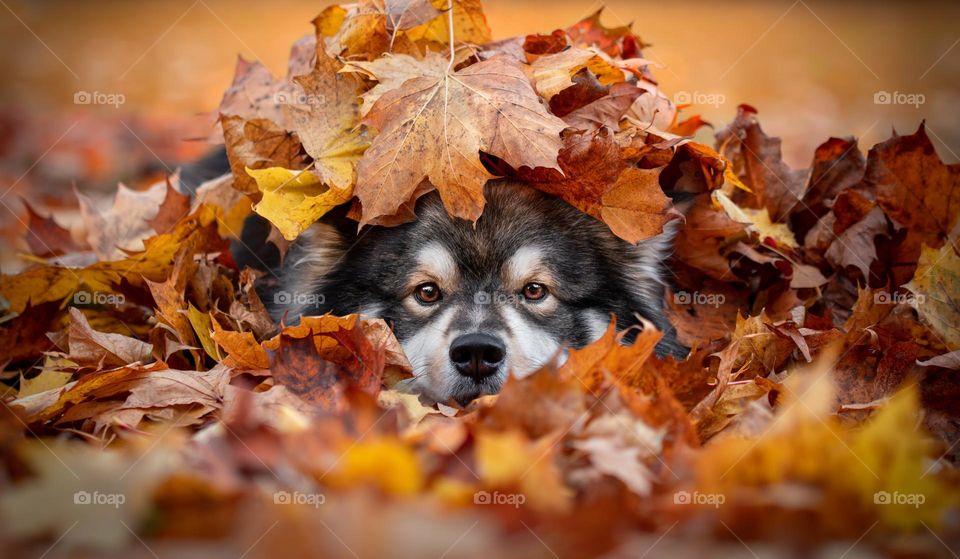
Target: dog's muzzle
{"type": "Point", "coordinates": [477, 355]}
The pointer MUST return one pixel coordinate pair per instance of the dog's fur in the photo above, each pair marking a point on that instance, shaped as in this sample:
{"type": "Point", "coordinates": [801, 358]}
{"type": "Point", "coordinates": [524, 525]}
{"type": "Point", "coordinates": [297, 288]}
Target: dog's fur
{"type": "Point", "coordinates": [523, 236]}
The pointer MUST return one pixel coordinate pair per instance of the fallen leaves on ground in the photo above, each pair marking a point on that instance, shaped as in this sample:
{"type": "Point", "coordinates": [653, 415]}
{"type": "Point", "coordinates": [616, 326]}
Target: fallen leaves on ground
{"type": "Point", "coordinates": [150, 403]}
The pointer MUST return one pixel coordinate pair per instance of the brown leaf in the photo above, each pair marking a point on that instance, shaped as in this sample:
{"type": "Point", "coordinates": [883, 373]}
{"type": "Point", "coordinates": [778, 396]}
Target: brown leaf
{"type": "Point", "coordinates": [589, 31]}
{"type": "Point", "coordinates": [327, 121]}
{"type": "Point", "coordinates": [175, 205]}
{"type": "Point", "coordinates": [635, 207]}
{"type": "Point", "coordinates": [46, 237]}
{"type": "Point", "coordinates": [254, 94]}
{"type": "Point", "coordinates": [435, 126]}
{"type": "Point", "coordinates": [917, 190]}
{"type": "Point", "coordinates": [757, 158]}
{"type": "Point", "coordinates": [258, 144]}
{"type": "Point", "coordinates": [605, 111]}
{"type": "Point", "coordinates": [99, 349]}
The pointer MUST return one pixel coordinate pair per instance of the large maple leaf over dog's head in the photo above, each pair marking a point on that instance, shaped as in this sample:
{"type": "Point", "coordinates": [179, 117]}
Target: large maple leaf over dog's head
{"type": "Point", "coordinates": [434, 124]}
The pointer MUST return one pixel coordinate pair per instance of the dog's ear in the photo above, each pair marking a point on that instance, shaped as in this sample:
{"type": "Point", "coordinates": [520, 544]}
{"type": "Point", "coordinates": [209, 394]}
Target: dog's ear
{"type": "Point", "coordinates": [648, 275]}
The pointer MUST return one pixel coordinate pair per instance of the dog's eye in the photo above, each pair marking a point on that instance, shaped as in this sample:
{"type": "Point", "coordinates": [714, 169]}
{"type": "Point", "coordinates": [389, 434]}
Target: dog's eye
{"type": "Point", "coordinates": [534, 291]}
{"type": "Point", "coordinates": [427, 293]}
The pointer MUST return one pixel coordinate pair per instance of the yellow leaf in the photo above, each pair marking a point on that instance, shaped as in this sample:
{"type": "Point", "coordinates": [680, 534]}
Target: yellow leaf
{"type": "Point", "coordinates": [48, 379]}
{"type": "Point", "coordinates": [385, 463]}
{"type": "Point", "coordinates": [936, 290]}
{"type": "Point", "coordinates": [757, 220]}
{"type": "Point", "coordinates": [511, 461]}
{"type": "Point", "coordinates": [905, 492]}
{"type": "Point", "coordinates": [202, 325]}
{"type": "Point", "coordinates": [293, 200]}
{"type": "Point", "coordinates": [469, 24]}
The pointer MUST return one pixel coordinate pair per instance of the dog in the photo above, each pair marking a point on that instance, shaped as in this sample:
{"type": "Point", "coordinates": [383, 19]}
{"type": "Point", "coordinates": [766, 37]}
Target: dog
{"type": "Point", "coordinates": [472, 304]}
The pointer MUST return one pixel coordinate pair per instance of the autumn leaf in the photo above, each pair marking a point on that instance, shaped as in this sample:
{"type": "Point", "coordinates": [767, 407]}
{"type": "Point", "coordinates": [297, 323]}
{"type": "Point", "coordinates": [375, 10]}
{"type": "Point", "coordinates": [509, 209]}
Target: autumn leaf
{"type": "Point", "coordinates": [936, 292]}
{"type": "Point", "coordinates": [254, 94]}
{"type": "Point", "coordinates": [257, 144]}
{"type": "Point", "coordinates": [469, 23]}
{"type": "Point", "coordinates": [175, 205]}
{"type": "Point", "coordinates": [45, 236]}
{"type": "Point", "coordinates": [327, 121]}
{"type": "Point", "coordinates": [917, 190]}
{"type": "Point", "coordinates": [589, 31]}
{"type": "Point", "coordinates": [91, 348]}
{"type": "Point", "coordinates": [554, 72]}
{"type": "Point", "coordinates": [56, 283]}
{"type": "Point", "coordinates": [757, 221]}
{"type": "Point", "coordinates": [775, 186]}
{"type": "Point", "coordinates": [435, 127]}
{"type": "Point", "coordinates": [294, 200]}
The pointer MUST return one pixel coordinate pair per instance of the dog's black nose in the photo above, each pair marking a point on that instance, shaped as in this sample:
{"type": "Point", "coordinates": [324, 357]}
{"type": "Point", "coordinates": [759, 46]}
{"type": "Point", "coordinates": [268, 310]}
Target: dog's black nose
{"type": "Point", "coordinates": [477, 355]}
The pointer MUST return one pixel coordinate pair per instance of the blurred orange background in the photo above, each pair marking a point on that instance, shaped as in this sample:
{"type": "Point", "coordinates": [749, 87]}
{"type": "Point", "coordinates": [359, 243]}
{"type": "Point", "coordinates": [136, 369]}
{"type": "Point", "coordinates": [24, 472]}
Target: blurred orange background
{"type": "Point", "coordinates": [813, 69]}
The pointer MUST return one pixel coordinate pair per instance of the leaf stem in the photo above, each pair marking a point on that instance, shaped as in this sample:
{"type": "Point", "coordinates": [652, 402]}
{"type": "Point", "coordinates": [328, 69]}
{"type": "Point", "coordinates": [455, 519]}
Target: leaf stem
{"type": "Point", "coordinates": [450, 33]}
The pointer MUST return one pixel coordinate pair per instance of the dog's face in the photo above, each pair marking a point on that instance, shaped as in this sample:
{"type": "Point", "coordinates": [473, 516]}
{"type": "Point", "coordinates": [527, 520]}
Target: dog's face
{"type": "Point", "coordinates": [472, 304]}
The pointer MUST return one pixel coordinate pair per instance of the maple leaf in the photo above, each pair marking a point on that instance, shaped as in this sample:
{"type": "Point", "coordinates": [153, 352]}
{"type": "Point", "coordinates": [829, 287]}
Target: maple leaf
{"type": "Point", "coordinates": [596, 181]}
{"type": "Point", "coordinates": [91, 348]}
{"type": "Point", "coordinates": [391, 71]}
{"type": "Point", "coordinates": [56, 283]}
{"type": "Point", "coordinates": [294, 200]}
{"type": "Point", "coordinates": [936, 290]}
{"type": "Point", "coordinates": [589, 31]}
{"type": "Point", "coordinates": [175, 205]}
{"type": "Point", "coordinates": [757, 221]}
{"type": "Point", "coordinates": [469, 24]}
{"type": "Point", "coordinates": [327, 123]}
{"type": "Point", "coordinates": [606, 111]}
{"type": "Point", "coordinates": [254, 94]}
{"type": "Point", "coordinates": [257, 144]}
{"type": "Point", "coordinates": [434, 127]}
{"type": "Point", "coordinates": [917, 190]}
{"type": "Point", "coordinates": [45, 236]}
{"type": "Point", "coordinates": [757, 157]}
{"type": "Point", "coordinates": [553, 73]}
{"type": "Point", "coordinates": [126, 224]}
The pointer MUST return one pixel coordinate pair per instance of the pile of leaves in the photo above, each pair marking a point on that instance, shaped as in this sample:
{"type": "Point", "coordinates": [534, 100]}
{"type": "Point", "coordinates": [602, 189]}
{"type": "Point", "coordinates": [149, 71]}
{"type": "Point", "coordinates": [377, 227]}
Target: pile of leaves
{"type": "Point", "coordinates": [151, 405]}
